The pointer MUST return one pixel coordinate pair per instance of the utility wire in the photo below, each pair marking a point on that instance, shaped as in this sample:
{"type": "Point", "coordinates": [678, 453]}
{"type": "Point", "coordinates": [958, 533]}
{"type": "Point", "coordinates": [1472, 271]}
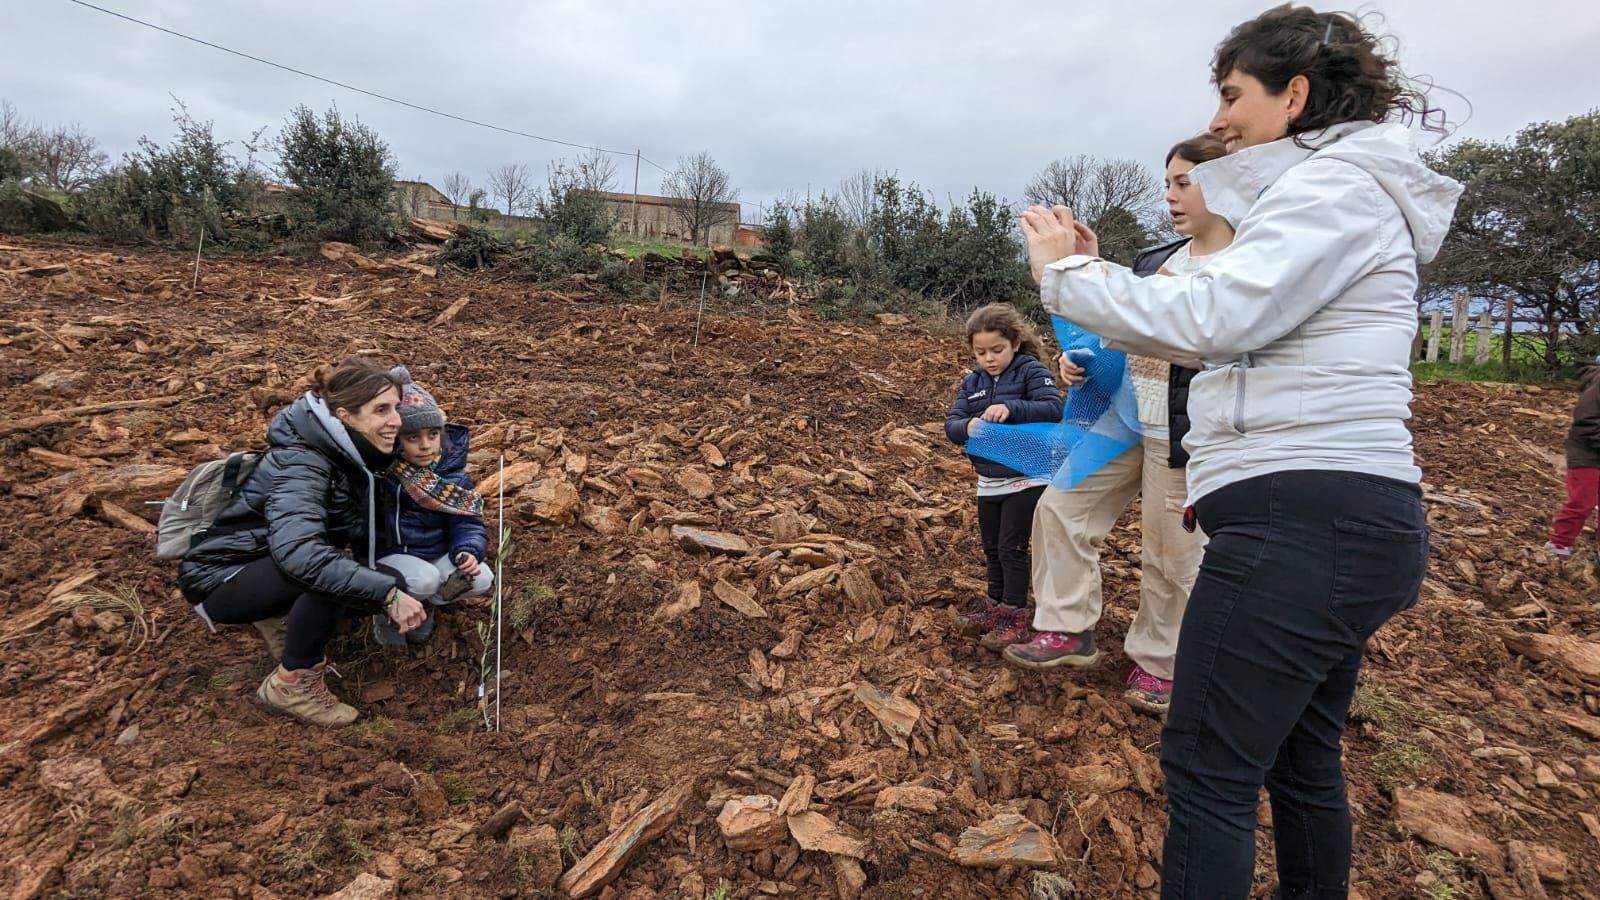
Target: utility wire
{"type": "Point", "coordinates": [351, 87]}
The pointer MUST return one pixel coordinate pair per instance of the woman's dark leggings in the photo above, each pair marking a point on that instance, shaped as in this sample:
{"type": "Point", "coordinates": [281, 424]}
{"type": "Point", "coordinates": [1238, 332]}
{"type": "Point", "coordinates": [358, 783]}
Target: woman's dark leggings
{"type": "Point", "coordinates": [1302, 567]}
{"type": "Point", "coordinates": [260, 591]}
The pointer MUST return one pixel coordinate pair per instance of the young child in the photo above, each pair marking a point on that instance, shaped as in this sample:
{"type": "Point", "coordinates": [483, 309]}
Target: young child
{"type": "Point", "coordinates": [435, 538]}
{"type": "Point", "coordinates": [1583, 465]}
{"type": "Point", "coordinates": [1011, 385]}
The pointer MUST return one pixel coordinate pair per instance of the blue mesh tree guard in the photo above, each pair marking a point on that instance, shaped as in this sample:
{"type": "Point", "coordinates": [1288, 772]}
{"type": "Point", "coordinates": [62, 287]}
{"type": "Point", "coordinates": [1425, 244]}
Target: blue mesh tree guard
{"type": "Point", "coordinates": [1099, 423]}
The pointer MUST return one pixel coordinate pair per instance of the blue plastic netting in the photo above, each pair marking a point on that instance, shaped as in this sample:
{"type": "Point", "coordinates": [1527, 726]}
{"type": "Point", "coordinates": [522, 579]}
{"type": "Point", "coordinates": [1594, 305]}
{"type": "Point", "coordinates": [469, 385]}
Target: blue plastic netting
{"type": "Point", "coordinates": [1099, 423]}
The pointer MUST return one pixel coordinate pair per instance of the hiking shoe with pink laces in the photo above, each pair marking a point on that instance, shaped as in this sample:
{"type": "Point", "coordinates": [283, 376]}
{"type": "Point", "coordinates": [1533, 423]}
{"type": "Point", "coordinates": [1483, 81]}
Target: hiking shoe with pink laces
{"type": "Point", "coordinates": [306, 696]}
{"type": "Point", "coordinates": [1013, 624]}
{"type": "Point", "coordinates": [1147, 692]}
{"type": "Point", "coordinates": [1049, 649]}
{"type": "Point", "coordinates": [977, 618]}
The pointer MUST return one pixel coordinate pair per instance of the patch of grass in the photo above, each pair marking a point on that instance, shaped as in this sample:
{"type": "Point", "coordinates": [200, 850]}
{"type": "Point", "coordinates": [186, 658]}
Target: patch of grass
{"type": "Point", "coordinates": [168, 827]}
{"type": "Point", "coordinates": [125, 832]}
{"type": "Point", "coordinates": [219, 681]}
{"type": "Point", "coordinates": [1399, 764]}
{"type": "Point", "coordinates": [455, 788]}
{"type": "Point", "coordinates": [1449, 865]}
{"type": "Point", "coordinates": [1493, 372]}
{"type": "Point", "coordinates": [1050, 886]}
{"type": "Point", "coordinates": [379, 726]}
{"type": "Point", "coordinates": [722, 891]}
{"type": "Point", "coordinates": [1378, 706]}
{"type": "Point", "coordinates": [567, 839]}
{"type": "Point", "coordinates": [634, 249]}
{"type": "Point", "coordinates": [122, 599]}
{"type": "Point", "coordinates": [315, 849]}
{"type": "Point", "coordinates": [1453, 871]}
{"type": "Point", "coordinates": [534, 599]}
{"type": "Point", "coordinates": [460, 720]}
{"type": "Point", "coordinates": [348, 845]}
{"type": "Point", "coordinates": [307, 853]}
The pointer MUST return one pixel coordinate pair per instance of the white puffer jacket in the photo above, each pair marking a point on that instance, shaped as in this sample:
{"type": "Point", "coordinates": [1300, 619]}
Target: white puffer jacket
{"type": "Point", "coordinates": [1303, 325]}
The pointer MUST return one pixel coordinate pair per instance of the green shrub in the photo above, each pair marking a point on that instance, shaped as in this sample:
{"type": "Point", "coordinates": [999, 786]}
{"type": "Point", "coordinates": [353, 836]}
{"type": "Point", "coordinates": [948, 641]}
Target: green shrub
{"type": "Point", "coordinates": [344, 174]}
{"type": "Point", "coordinates": [474, 248]}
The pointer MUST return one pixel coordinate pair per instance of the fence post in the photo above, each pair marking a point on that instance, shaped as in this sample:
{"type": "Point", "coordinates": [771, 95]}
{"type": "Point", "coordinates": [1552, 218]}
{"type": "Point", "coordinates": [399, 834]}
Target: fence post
{"type": "Point", "coordinates": [1505, 345]}
{"type": "Point", "coordinates": [1459, 324]}
{"type": "Point", "coordinates": [1480, 353]}
{"type": "Point", "coordinates": [1435, 326]}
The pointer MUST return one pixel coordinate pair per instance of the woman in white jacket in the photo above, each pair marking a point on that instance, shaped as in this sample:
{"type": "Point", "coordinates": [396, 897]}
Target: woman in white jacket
{"type": "Point", "coordinates": [1301, 470]}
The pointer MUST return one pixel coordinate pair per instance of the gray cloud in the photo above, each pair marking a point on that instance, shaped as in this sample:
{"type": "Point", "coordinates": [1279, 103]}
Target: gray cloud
{"type": "Point", "coordinates": [785, 95]}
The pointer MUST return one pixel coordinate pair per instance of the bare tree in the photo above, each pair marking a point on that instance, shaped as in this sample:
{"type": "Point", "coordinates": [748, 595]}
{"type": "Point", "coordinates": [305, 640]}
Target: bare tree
{"type": "Point", "coordinates": [511, 185]}
{"type": "Point", "coordinates": [456, 188]}
{"type": "Point", "coordinates": [857, 196]}
{"type": "Point", "coordinates": [68, 157]}
{"type": "Point", "coordinates": [1093, 187]}
{"type": "Point", "coordinates": [596, 171]}
{"type": "Point", "coordinates": [15, 131]}
{"type": "Point", "coordinates": [701, 195]}
{"type": "Point", "coordinates": [414, 198]}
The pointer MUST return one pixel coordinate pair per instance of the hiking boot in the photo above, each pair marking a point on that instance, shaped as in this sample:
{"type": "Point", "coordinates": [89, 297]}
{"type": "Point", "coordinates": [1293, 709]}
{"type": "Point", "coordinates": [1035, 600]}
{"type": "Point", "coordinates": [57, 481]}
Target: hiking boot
{"type": "Point", "coordinates": [1147, 692]}
{"type": "Point", "coordinates": [1049, 649]}
{"type": "Point", "coordinates": [977, 619]}
{"type": "Point", "coordinates": [272, 632]}
{"type": "Point", "coordinates": [306, 697]}
{"type": "Point", "coordinates": [385, 632]}
{"type": "Point", "coordinates": [1557, 552]}
{"type": "Point", "coordinates": [421, 633]}
{"type": "Point", "coordinates": [457, 584]}
{"type": "Point", "coordinates": [1012, 626]}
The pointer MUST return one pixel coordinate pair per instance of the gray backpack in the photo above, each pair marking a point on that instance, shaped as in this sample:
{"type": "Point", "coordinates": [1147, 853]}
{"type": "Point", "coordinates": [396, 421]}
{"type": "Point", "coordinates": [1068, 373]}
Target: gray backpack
{"type": "Point", "coordinates": [187, 515]}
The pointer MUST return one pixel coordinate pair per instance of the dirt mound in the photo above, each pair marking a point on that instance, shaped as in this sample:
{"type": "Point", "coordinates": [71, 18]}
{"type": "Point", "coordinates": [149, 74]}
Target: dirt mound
{"type": "Point", "coordinates": [736, 542]}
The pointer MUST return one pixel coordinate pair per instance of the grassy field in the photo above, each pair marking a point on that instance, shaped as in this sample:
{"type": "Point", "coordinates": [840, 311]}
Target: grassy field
{"type": "Point", "coordinates": [1444, 371]}
{"type": "Point", "coordinates": [665, 248]}
{"type": "Point", "coordinates": [1527, 360]}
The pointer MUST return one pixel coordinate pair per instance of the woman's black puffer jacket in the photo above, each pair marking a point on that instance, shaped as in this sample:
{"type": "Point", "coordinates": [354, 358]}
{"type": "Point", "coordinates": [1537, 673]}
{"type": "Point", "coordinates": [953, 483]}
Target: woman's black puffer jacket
{"type": "Point", "coordinates": [309, 499]}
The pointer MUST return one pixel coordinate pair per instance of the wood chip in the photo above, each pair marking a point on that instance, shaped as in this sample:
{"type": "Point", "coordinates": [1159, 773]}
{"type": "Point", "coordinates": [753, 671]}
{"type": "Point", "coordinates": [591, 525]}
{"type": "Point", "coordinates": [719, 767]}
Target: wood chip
{"type": "Point", "coordinates": [119, 516]}
{"type": "Point", "coordinates": [452, 311]}
{"type": "Point", "coordinates": [738, 599]}
{"type": "Point", "coordinates": [798, 798]}
{"type": "Point", "coordinates": [606, 861]}
{"type": "Point", "coordinates": [814, 831]}
{"type": "Point", "coordinates": [1006, 840]}
{"type": "Point", "coordinates": [897, 714]}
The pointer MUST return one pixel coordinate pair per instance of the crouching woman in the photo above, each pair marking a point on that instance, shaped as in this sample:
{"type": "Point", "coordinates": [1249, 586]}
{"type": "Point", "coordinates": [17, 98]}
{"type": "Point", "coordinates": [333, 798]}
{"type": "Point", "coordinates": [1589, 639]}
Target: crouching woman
{"type": "Point", "coordinates": [277, 556]}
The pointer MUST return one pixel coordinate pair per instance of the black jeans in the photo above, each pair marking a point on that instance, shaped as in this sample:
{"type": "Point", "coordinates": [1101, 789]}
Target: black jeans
{"type": "Point", "coordinates": [262, 591]}
{"type": "Point", "coordinates": [1301, 568]}
{"type": "Point", "coordinates": [1006, 523]}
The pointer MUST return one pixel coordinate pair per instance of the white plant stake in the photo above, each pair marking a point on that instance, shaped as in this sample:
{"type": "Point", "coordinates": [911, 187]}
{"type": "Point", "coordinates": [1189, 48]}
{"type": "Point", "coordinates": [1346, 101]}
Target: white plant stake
{"type": "Point", "coordinates": [499, 584]}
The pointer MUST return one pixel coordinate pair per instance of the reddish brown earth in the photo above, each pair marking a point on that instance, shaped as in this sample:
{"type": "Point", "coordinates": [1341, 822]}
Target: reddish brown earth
{"type": "Point", "coordinates": [133, 762]}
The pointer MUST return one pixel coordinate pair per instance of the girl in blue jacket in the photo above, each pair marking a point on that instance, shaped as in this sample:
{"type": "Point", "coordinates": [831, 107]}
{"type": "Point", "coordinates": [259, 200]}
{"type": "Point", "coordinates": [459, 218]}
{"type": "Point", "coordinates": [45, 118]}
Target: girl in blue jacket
{"type": "Point", "coordinates": [1009, 384]}
{"type": "Point", "coordinates": [435, 537]}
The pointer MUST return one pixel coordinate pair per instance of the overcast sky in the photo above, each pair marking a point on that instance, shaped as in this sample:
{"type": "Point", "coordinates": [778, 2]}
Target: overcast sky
{"type": "Point", "coordinates": [786, 96]}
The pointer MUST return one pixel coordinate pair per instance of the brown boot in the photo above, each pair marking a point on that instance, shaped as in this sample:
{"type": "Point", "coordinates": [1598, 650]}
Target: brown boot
{"type": "Point", "coordinates": [272, 632]}
{"type": "Point", "coordinates": [304, 694]}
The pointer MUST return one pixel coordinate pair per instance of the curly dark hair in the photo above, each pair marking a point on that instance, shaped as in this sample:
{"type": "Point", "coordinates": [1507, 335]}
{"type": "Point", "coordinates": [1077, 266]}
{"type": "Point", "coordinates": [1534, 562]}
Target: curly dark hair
{"type": "Point", "coordinates": [1352, 77]}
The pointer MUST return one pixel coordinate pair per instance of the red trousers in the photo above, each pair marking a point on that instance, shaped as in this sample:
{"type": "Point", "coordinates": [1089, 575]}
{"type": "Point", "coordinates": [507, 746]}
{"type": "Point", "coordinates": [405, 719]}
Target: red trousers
{"type": "Point", "coordinates": [1583, 495]}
